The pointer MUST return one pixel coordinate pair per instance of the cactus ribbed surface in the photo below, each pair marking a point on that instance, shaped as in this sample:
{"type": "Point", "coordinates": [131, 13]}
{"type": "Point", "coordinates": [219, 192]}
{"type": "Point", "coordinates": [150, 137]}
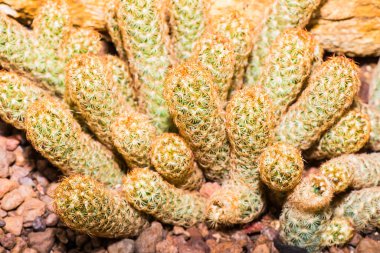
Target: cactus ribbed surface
{"type": "Point", "coordinates": [339, 231]}
{"type": "Point", "coordinates": [356, 171]}
{"type": "Point", "coordinates": [281, 167]}
{"type": "Point", "coordinates": [374, 117]}
{"type": "Point", "coordinates": [249, 120]}
{"type": "Point", "coordinates": [347, 136]}
{"type": "Point", "coordinates": [196, 109]}
{"type": "Point", "coordinates": [362, 207]}
{"type": "Point", "coordinates": [314, 193]}
{"type": "Point", "coordinates": [331, 90]}
{"type": "Point", "coordinates": [145, 37]}
{"type": "Point", "coordinates": [304, 229]}
{"type": "Point", "coordinates": [216, 54]}
{"type": "Point", "coordinates": [188, 19]}
{"type": "Point", "coordinates": [235, 26]}
{"type": "Point", "coordinates": [132, 135]}
{"type": "Point", "coordinates": [174, 160]}
{"type": "Point", "coordinates": [113, 27]}
{"type": "Point", "coordinates": [282, 15]}
{"type": "Point", "coordinates": [287, 67]}
{"type": "Point", "coordinates": [89, 207]}
{"type": "Point", "coordinates": [41, 54]}
{"type": "Point", "coordinates": [53, 131]}
{"type": "Point", "coordinates": [16, 94]}
{"type": "Point", "coordinates": [148, 192]}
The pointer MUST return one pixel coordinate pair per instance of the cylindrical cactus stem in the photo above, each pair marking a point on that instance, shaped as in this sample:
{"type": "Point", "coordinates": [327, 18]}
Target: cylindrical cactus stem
{"type": "Point", "coordinates": [374, 90]}
{"type": "Point", "coordinates": [149, 193]}
{"type": "Point", "coordinates": [250, 126]}
{"type": "Point", "coordinates": [287, 67]}
{"type": "Point", "coordinates": [347, 136]}
{"type": "Point", "coordinates": [338, 232]}
{"type": "Point", "coordinates": [17, 93]}
{"type": "Point", "coordinates": [196, 108]}
{"type": "Point", "coordinates": [281, 167]}
{"type": "Point", "coordinates": [330, 92]}
{"type": "Point", "coordinates": [89, 207]}
{"type": "Point", "coordinates": [188, 19]}
{"type": "Point", "coordinates": [145, 37]}
{"type": "Point", "coordinates": [216, 53]}
{"type": "Point", "coordinates": [314, 193]}
{"type": "Point", "coordinates": [53, 131]}
{"type": "Point", "coordinates": [374, 118]}
{"type": "Point", "coordinates": [356, 171]}
{"type": "Point", "coordinates": [173, 159]}
{"type": "Point", "coordinates": [132, 135]}
{"type": "Point", "coordinates": [93, 92]}
{"type": "Point", "coordinates": [236, 27]}
{"type": "Point", "coordinates": [362, 207]}
{"type": "Point", "coordinates": [304, 229]}
{"type": "Point", "coordinates": [113, 27]}
{"type": "Point", "coordinates": [282, 15]}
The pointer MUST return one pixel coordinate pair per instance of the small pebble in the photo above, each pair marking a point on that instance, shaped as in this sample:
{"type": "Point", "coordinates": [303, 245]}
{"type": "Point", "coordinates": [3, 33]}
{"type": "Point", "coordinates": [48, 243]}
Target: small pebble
{"type": "Point", "coordinates": [39, 224]}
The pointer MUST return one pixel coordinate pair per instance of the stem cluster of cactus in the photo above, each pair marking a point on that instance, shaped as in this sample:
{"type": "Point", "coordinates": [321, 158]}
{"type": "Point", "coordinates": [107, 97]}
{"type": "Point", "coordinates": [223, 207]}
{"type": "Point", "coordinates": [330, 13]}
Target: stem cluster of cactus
{"type": "Point", "coordinates": [192, 98]}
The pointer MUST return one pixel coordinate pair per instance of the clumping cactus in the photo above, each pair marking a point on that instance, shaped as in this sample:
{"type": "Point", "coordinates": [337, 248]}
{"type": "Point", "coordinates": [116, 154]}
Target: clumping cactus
{"type": "Point", "coordinates": [41, 54]}
{"type": "Point", "coordinates": [188, 19]}
{"type": "Point", "coordinates": [89, 207]}
{"type": "Point", "coordinates": [145, 37]}
{"type": "Point", "coordinates": [347, 136]}
{"type": "Point", "coordinates": [113, 27]}
{"type": "Point", "coordinates": [339, 231]}
{"type": "Point", "coordinates": [196, 109]}
{"type": "Point", "coordinates": [281, 167]}
{"type": "Point", "coordinates": [356, 171]}
{"type": "Point", "coordinates": [174, 160]}
{"type": "Point", "coordinates": [374, 117]}
{"type": "Point", "coordinates": [250, 126]}
{"type": "Point", "coordinates": [331, 90]}
{"type": "Point", "coordinates": [314, 193]}
{"type": "Point", "coordinates": [304, 229]}
{"type": "Point", "coordinates": [132, 135]}
{"type": "Point", "coordinates": [282, 15]}
{"type": "Point", "coordinates": [17, 93]}
{"type": "Point", "coordinates": [235, 26]}
{"type": "Point", "coordinates": [216, 54]}
{"type": "Point", "coordinates": [93, 92]}
{"type": "Point", "coordinates": [53, 131]}
{"type": "Point", "coordinates": [149, 193]}
{"type": "Point", "coordinates": [374, 91]}
{"type": "Point", "coordinates": [362, 207]}
{"type": "Point", "coordinates": [287, 67]}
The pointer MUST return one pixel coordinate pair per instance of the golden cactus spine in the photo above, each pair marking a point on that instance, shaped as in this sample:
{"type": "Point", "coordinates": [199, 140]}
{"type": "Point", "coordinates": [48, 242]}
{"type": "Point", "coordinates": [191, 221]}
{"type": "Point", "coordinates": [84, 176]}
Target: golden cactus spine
{"type": "Point", "coordinates": [330, 92]}
{"type": "Point", "coordinates": [196, 109]}
{"type": "Point", "coordinates": [281, 167]}
{"type": "Point", "coordinates": [188, 19]}
{"type": "Point", "coordinates": [347, 136]}
{"type": "Point", "coordinates": [249, 126]}
{"type": "Point", "coordinates": [89, 207]}
{"type": "Point", "coordinates": [355, 171]}
{"type": "Point", "coordinates": [113, 27]}
{"type": "Point", "coordinates": [339, 231]}
{"type": "Point", "coordinates": [145, 37]}
{"type": "Point", "coordinates": [216, 54]}
{"type": "Point", "coordinates": [287, 67]}
{"type": "Point", "coordinates": [374, 117]}
{"type": "Point", "coordinates": [53, 131]}
{"type": "Point", "coordinates": [149, 193]}
{"type": "Point", "coordinates": [283, 14]}
{"type": "Point", "coordinates": [173, 159]}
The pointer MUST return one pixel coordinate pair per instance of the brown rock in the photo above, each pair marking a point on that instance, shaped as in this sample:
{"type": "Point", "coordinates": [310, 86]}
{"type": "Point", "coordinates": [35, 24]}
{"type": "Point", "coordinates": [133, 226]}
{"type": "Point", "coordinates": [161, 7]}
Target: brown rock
{"type": "Point", "coordinates": [11, 158]}
{"type": "Point", "coordinates": [48, 201]}
{"type": "Point", "coordinates": [12, 143]}
{"type": "Point", "coordinates": [31, 209]}
{"type": "Point", "coordinates": [167, 246]}
{"type": "Point", "coordinates": [41, 241]}
{"type": "Point", "coordinates": [4, 166]}
{"type": "Point", "coordinates": [29, 250]}
{"type": "Point", "coordinates": [186, 248]}
{"type": "Point", "coordinates": [18, 172]}
{"type": "Point", "coordinates": [8, 241]}
{"type": "Point", "coordinates": [148, 239]}
{"type": "Point", "coordinates": [203, 229]}
{"type": "Point", "coordinates": [11, 200]}
{"type": "Point", "coordinates": [51, 188]}
{"type": "Point", "coordinates": [51, 220]}
{"type": "Point", "coordinates": [262, 248]}
{"type": "Point", "coordinates": [2, 250]}
{"type": "Point", "coordinates": [367, 245]}
{"type": "Point", "coordinates": [13, 224]}
{"type": "Point", "coordinates": [355, 239]}
{"type": "Point", "coordinates": [122, 246]}
{"type": "Point", "coordinates": [223, 247]}
{"type": "Point", "coordinates": [6, 186]}
{"type": "Point", "coordinates": [20, 246]}
{"type": "Point", "coordinates": [3, 213]}
{"type": "Point", "coordinates": [180, 231]}
{"type": "Point", "coordinates": [26, 191]}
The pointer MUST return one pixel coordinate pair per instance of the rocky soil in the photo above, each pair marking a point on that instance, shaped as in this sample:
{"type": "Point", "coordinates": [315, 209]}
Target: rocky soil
{"type": "Point", "coordinates": [28, 223]}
